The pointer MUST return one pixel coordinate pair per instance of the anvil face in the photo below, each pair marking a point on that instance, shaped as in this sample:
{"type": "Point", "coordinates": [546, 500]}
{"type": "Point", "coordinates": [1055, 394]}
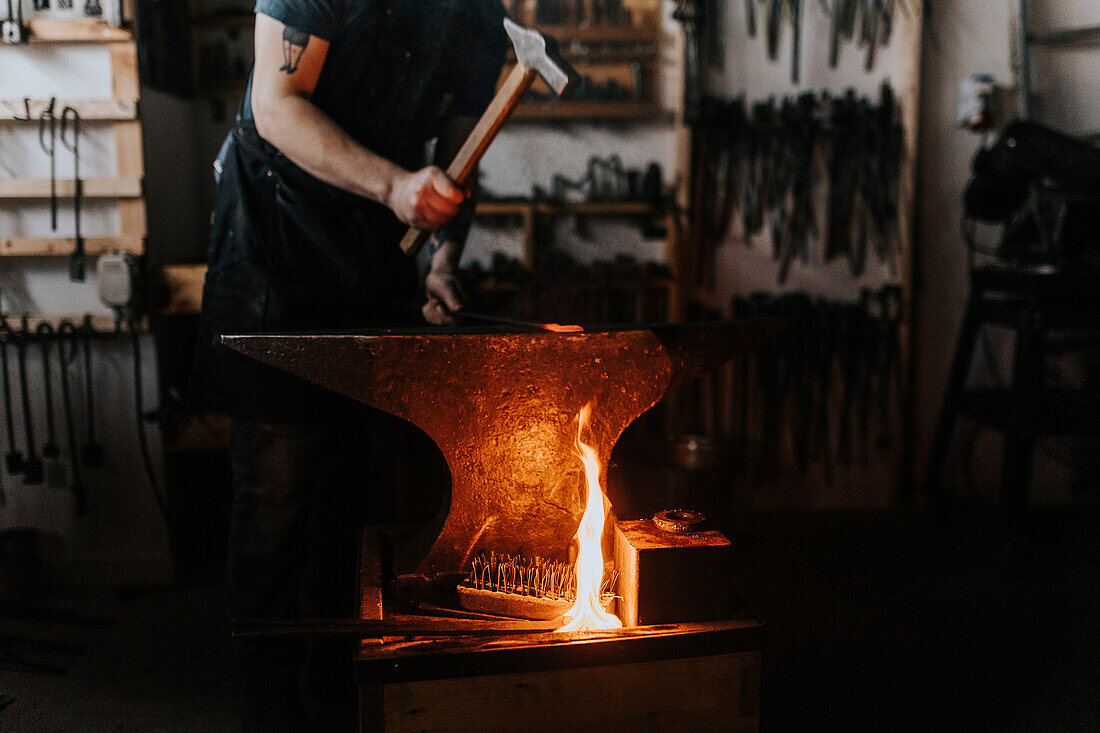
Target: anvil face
{"type": "Point", "coordinates": [502, 407]}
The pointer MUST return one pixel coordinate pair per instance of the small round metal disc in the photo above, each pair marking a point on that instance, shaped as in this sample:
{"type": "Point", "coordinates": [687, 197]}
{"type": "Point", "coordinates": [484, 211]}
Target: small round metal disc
{"type": "Point", "coordinates": [679, 521]}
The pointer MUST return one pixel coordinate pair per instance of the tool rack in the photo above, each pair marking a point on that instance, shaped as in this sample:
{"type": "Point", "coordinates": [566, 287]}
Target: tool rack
{"type": "Point", "coordinates": [603, 53]}
{"type": "Point", "coordinates": [519, 298]}
{"type": "Point", "coordinates": [626, 53]}
{"type": "Point", "coordinates": [121, 111]}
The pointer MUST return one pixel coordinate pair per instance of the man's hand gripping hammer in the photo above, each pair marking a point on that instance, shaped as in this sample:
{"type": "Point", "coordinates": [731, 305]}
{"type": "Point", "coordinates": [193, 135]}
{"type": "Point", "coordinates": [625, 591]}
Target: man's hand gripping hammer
{"type": "Point", "coordinates": [537, 55]}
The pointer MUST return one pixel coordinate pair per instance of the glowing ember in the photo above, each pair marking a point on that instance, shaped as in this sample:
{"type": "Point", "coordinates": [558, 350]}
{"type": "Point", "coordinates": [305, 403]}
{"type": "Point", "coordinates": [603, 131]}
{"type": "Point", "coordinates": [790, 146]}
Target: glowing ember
{"type": "Point", "coordinates": [587, 613]}
{"type": "Point", "coordinates": [559, 328]}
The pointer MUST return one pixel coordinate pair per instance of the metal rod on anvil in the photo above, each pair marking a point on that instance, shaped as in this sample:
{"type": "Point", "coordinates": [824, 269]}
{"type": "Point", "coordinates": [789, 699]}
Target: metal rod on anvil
{"type": "Point", "coordinates": [552, 327]}
{"type": "Point", "coordinates": [367, 628]}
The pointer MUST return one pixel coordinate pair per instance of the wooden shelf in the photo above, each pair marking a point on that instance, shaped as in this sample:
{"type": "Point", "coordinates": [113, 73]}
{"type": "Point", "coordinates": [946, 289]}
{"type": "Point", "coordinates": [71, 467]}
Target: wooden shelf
{"type": "Point", "coordinates": [601, 33]}
{"type": "Point", "coordinates": [1070, 37]}
{"type": "Point", "coordinates": [51, 30]}
{"type": "Point", "coordinates": [179, 289]}
{"type": "Point", "coordinates": [56, 246]}
{"type": "Point", "coordinates": [111, 110]}
{"type": "Point", "coordinates": [593, 208]}
{"type": "Point", "coordinates": [94, 188]}
{"type": "Point", "coordinates": [584, 110]}
{"type": "Point", "coordinates": [102, 323]}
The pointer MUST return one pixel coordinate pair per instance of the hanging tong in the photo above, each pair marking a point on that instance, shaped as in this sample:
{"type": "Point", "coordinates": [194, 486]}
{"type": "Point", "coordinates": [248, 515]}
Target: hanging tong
{"type": "Point", "coordinates": [70, 126]}
{"type": "Point", "coordinates": [47, 138]}
{"type": "Point", "coordinates": [33, 469]}
{"type": "Point", "coordinates": [93, 453]}
{"type": "Point", "coordinates": [46, 333]}
{"type": "Point", "coordinates": [67, 333]}
{"type": "Point", "coordinates": [14, 459]}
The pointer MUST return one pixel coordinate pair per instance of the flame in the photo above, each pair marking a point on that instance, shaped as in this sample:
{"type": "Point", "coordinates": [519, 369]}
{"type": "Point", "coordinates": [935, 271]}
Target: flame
{"type": "Point", "coordinates": [559, 328]}
{"type": "Point", "coordinates": [587, 613]}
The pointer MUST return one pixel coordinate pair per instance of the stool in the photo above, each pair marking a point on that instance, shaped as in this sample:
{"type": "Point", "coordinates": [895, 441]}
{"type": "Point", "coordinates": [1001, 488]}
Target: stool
{"type": "Point", "coordinates": [1036, 302]}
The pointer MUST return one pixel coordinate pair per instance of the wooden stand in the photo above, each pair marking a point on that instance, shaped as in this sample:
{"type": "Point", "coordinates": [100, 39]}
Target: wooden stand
{"type": "Point", "coordinates": [702, 676]}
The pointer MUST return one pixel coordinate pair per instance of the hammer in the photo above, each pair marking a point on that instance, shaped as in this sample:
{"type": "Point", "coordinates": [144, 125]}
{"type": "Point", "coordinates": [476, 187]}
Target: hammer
{"type": "Point", "coordinates": [537, 55]}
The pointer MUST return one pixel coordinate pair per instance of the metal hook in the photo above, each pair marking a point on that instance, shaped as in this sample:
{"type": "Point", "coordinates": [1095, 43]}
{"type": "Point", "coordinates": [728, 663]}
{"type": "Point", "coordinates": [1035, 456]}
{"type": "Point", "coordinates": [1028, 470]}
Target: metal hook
{"type": "Point", "coordinates": [70, 122]}
{"type": "Point", "coordinates": [47, 121]}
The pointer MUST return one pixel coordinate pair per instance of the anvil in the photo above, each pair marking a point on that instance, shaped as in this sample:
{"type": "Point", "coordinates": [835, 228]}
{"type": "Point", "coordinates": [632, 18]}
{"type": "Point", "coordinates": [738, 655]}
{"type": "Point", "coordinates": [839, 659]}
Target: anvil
{"type": "Point", "coordinates": [502, 406]}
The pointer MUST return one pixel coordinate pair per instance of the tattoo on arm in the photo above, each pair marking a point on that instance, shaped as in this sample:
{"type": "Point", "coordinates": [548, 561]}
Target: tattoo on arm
{"type": "Point", "coordinates": [294, 45]}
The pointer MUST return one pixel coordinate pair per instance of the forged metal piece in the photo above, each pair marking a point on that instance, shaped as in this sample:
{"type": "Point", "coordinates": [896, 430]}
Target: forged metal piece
{"type": "Point", "coordinates": [680, 521]}
{"type": "Point", "coordinates": [502, 406]}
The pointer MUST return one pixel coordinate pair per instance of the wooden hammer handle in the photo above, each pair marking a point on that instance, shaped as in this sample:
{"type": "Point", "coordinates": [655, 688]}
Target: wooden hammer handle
{"type": "Point", "coordinates": [465, 162]}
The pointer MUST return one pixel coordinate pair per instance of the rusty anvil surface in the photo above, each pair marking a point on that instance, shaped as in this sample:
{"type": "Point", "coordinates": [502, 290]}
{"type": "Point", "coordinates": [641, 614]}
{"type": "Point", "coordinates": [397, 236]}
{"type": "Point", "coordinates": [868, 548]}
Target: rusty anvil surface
{"type": "Point", "coordinates": [502, 407]}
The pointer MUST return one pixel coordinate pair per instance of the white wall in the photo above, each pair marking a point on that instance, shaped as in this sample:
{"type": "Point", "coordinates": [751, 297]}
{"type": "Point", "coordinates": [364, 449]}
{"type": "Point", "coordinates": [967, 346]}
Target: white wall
{"type": "Point", "coordinates": [123, 538]}
{"type": "Point", "coordinates": [965, 38]}
{"type": "Point", "coordinates": [746, 70]}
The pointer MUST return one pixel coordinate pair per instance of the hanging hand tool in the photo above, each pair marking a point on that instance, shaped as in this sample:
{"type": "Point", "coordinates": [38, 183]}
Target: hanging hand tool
{"type": "Point", "coordinates": [33, 471]}
{"type": "Point", "coordinates": [93, 455]}
{"type": "Point", "coordinates": [824, 338]}
{"type": "Point", "coordinates": [66, 332]}
{"type": "Point", "coordinates": [868, 358]}
{"type": "Point", "coordinates": [796, 40]}
{"type": "Point", "coordinates": [890, 305]}
{"type": "Point", "coordinates": [14, 31]}
{"type": "Point", "coordinates": [750, 17]}
{"type": "Point", "coordinates": [834, 32]}
{"type": "Point", "coordinates": [851, 362]}
{"type": "Point", "coordinates": [70, 124]}
{"type": "Point", "coordinates": [45, 333]}
{"type": "Point", "coordinates": [871, 22]}
{"type": "Point", "coordinates": [536, 55]}
{"type": "Point", "coordinates": [14, 459]}
{"type": "Point", "coordinates": [774, 25]}
{"type": "Point", "coordinates": [687, 14]}
{"type": "Point", "coordinates": [47, 138]}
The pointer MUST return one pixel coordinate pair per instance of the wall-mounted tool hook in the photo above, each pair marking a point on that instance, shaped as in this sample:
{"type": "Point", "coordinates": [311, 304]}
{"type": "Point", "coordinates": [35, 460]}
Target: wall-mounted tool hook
{"type": "Point", "coordinates": [66, 332]}
{"type": "Point", "coordinates": [70, 128]}
{"type": "Point", "coordinates": [47, 138]}
{"type": "Point", "coordinates": [14, 459]}
{"type": "Point", "coordinates": [93, 454]}
{"type": "Point", "coordinates": [33, 470]}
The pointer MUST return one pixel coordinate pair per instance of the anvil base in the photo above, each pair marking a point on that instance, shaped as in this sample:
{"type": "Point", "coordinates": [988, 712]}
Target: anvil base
{"type": "Point", "coordinates": [700, 676]}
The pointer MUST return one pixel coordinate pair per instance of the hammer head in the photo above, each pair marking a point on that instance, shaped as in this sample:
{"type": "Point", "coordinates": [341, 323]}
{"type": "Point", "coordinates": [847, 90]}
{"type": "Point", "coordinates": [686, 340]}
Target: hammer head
{"type": "Point", "coordinates": [539, 53]}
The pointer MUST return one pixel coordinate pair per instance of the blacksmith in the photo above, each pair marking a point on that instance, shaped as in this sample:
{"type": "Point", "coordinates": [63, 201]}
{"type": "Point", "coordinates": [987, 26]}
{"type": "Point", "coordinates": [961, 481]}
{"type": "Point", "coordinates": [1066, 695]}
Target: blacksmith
{"type": "Point", "coordinates": [322, 174]}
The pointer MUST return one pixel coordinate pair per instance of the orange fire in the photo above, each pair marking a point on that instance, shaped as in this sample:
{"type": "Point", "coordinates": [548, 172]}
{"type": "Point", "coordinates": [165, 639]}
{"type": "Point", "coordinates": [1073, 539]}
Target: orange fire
{"type": "Point", "coordinates": [587, 613]}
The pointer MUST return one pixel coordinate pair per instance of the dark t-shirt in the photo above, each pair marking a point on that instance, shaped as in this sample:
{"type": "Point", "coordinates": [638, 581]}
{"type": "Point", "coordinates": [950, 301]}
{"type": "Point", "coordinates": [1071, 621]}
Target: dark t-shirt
{"type": "Point", "coordinates": [397, 69]}
{"type": "Point", "coordinates": [291, 253]}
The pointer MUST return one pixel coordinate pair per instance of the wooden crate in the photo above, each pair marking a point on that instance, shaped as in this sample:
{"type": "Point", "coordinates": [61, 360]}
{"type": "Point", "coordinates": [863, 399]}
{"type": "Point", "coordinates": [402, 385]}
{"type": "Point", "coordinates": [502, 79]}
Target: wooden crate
{"type": "Point", "coordinates": [703, 677]}
{"type": "Point", "coordinates": [683, 677]}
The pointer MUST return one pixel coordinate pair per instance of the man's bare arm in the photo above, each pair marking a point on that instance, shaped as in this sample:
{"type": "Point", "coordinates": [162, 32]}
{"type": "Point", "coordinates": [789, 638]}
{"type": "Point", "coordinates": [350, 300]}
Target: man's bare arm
{"type": "Point", "coordinates": [288, 66]}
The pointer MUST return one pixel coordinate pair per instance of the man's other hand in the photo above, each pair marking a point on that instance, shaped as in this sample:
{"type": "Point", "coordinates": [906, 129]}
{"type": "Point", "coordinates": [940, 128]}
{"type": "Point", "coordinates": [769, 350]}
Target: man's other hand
{"type": "Point", "coordinates": [445, 295]}
{"type": "Point", "coordinates": [426, 199]}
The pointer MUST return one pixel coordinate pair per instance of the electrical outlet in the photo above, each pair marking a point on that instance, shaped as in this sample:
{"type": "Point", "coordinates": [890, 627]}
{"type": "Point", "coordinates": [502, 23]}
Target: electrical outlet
{"type": "Point", "coordinates": [115, 276]}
